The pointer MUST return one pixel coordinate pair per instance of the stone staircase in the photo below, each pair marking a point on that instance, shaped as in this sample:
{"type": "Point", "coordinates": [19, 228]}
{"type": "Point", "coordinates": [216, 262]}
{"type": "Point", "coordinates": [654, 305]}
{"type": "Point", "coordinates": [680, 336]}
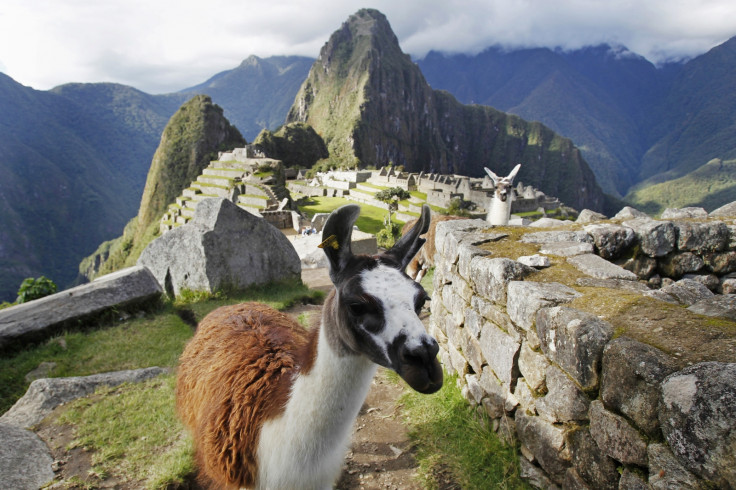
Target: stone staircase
{"type": "Point", "coordinates": [230, 179]}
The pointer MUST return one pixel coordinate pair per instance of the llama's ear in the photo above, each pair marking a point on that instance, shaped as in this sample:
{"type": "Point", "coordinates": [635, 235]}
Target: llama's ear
{"type": "Point", "coordinates": [493, 176]}
{"type": "Point", "coordinates": [336, 236]}
{"type": "Point", "coordinates": [513, 173]}
{"type": "Point", "coordinates": [407, 247]}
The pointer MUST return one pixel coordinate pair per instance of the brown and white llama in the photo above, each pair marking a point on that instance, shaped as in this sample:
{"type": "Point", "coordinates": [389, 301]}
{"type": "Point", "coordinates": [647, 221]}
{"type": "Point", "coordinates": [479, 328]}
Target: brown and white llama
{"type": "Point", "coordinates": [499, 211]}
{"type": "Point", "coordinates": [271, 405]}
{"type": "Point", "coordinates": [424, 259]}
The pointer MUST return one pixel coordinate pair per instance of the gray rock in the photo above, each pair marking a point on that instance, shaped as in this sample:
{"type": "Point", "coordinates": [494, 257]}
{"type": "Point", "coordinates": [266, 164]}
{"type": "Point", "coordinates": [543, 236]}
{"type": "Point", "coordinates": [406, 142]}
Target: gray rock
{"type": "Point", "coordinates": [616, 437]}
{"type": "Point", "coordinates": [631, 480]}
{"type": "Point", "coordinates": [492, 312]}
{"type": "Point", "coordinates": [566, 249]}
{"type": "Point", "coordinates": [48, 393]}
{"type": "Point", "coordinates": [574, 340]}
{"type": "Point", "coordinates": [666, 472]}
{"type": "Point", "coordinates": [657, 238]}
{"type": "Point", "coordinates": [611, 240]}
{"type": "Point", "coordinates": [550, 223]}
{"type": "Point", "coordinates": [599, 267]}
{"type": "Point", "coordinates": [41, 318]}
{"type": "Point", "coordinates": [564, 402]}
{"type": "Point", "coordinates": [630, 213]}
{"type": "Point", "coordinates": [685, 292]}
{"type": "Point", "coordinates": [492, 275]}
{"type": "Point", "coordinates": [594, 467]}
{"type": "Point", "coordinates": [533, 367]}
{"type": "Point", "coordinates": [623, 284]}
{"type": "Point", "coordinates": [498, 399]}
{"type": "Point", "coordinates": [525, 397]}
{"type": "Point", "coordinates": [632, 374]}
{"type": "Point", "coordinates": [725, 211]}
{"type": "Point", "coordinates": [698, 417]}
{"type": "Point", "coordinates": [468, 248]}
{"type": "Point", "coordinates": [556, 236]}
{"type": "Point", "coordinates": [534, 475]}
{"type": "Point", "coordinates": [537, 261]}
{"type": "Point", "coordinates": [641, 265]}
{"type": "Point", "coordinates": [546, 442]}
{"type": "Point", "coordinates": [588, 216]}
{"type": "Point", "coordinates": [519, 221]}
{"type": "Point", "coordinates": [728, 285]}
{"type": "Point", "coordinates": [222, 247]}
{"type": "Point", "coordinates": [573, 481]}
{"type": "Point", "coordinates": [449, 233]}
{"type": "Point", "coordinates": [721, 263]}
{"type": "Point", "coordinates": [25, 461]}
{"type": "Point", "coordinates": [42, 371]}
{"type": "Point", "coordinates": [676, 265]}
{"type": "Point", "coordinates": [708, 280]}
{"type": "Point", "coordinates": [684, 213]}
{"type": "Point", "coordinates": [712, 236]}
{"type": "Point", "coordinates": [500, 352]}
{"type": "Point", "coordinates": [525, 298]}
{"type": "Point", "coordinates": [723, 305]}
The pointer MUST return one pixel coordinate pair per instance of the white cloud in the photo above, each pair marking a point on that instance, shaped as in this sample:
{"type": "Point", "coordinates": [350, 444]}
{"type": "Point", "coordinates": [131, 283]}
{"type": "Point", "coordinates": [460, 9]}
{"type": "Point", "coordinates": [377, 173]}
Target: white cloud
{"type": "Point", "coordinates": [167, 45]}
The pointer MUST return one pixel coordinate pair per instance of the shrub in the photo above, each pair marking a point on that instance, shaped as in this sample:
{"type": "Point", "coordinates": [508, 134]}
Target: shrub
{"type": "Point", "coordinates": [31, 289]}
{"type": "Point", "coordinates": [386, 237]}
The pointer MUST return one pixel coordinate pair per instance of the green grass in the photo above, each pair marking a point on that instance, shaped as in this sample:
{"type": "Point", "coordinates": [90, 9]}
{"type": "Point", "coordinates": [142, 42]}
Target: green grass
{"type": "Point", "coordinates": [452, 442]}
{"type": "Point", "coordinates": [133, 433]}
{"type": "Point", "coordinates": [154, 340]}
{"type": "Point", "coordinates": [369, 221]}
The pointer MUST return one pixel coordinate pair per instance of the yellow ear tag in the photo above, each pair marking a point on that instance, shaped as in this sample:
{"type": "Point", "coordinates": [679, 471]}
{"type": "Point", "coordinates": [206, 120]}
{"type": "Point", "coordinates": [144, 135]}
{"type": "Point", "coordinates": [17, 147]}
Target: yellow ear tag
{"type": "Point", "coordinates": [331, 241]}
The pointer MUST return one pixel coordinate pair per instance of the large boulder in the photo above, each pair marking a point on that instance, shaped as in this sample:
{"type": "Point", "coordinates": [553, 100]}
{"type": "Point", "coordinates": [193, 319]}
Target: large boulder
{"type": "Point", "coordinates": [595, 266]}
{"type": "Point", "coordinates": [129, 288]}
{"type": "Point", "coordinates": [698, 417]}
{"type": "Point", "coordinates": [712, 236]}
{"type": "Point", "coordinates": [657, 238]}
{"type": "Point", "coordinates": [25, 461]}
{"type": "Point", "coordinates": [611, 240]}
{"type": "Point", "coordinates": [681, 213]}
{"type": "Point", "coordinates": [223, 247]}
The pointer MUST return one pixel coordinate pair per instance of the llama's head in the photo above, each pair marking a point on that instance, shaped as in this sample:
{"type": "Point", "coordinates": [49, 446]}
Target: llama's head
{"type": "Point", "coordinates": [377, 304]}
{"type": "Point", "coordinates": [503, 184]}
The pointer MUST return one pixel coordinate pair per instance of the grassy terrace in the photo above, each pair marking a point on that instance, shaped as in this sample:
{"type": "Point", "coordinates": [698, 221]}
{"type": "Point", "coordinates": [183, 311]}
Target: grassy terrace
{"type": "Point", "coordinates": [369, 221]}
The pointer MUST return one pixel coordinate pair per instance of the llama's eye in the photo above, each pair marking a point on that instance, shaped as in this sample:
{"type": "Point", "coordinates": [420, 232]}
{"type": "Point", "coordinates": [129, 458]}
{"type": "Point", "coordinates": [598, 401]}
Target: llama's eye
{"type": "Point", "coordinates": [358, 309]}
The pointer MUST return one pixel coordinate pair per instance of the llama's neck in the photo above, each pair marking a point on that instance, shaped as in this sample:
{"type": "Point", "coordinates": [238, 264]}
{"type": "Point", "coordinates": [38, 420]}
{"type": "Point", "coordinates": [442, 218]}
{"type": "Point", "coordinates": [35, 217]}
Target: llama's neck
{"type": "Point", "coordinates": [308, 441]}
{"type": "Point", "coordinates": [500, 211]}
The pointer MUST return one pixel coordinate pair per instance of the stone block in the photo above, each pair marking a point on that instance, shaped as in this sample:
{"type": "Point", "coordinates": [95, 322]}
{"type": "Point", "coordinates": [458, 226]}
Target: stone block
{"type": "Point", "coordinates": [720, 263]}
{"type": "Point", "coordinates": [725, 211]}
{"type": "Point", "coordinates": [533, 367]}
{"type": "Point", "coordinates": [466, 251]}
{"type": "Point", "coordinates": [501, 399]}
{"type": "Point", "coordinates": [573, 481]}
{"type": "Point", "coordinates": [474, 388]}
{"type": "Point", "coordinates": [500, 351]}
{"type": "Point", "coordinates": [685, 292]}
{"type": "Point", "coordinates": [223, 247]}
{"type": "Point", "coordinates": [632, 374]}
{"type": "Point", "coordinates": [556, 236]}
{"type": "Point", "coordinates": [534, 475]}
{"type": "Point", "coordinates": [38, 319]}
{"type": "Point", "coordinates": [574, 340]}
{"type": "Point", "coordinates": [708, 280]}
{"type": "Point", "coordinates": [611, 240]}
{"type": "Point", "coordinates": [461, 288]}
{"type": "Point", "coordinates": [666, 472]}
{"type": "Point", "coordinates": [472, 350]}
{"type": "Point", "coordinates": [641, 265]}
{"type": "Point", "coordinates": [723, 305]}
{"type": "Point", "coordinates": [25, 461]}
{"type": "Point", "coordinates": [627, 212]}
{"type": "Point", "coordinates": [588, 216]}
{"type": "Point", "coordinates": [546, 442]}
{"type": "Point", "coordinates": [457, 361]}
{"type": "Point", "coordinates": [491, 276]}
{"type": "Point", "coordinates": [537, 261]}
{"type": "Point", "coordinates": [712, 236]}
{"type": "Point", "coordinates": [591, 464]}
{"type": "Point", "coordinates": [676, 265]}
{"type": "Point", "coordinates": [451, 227]}
{"type": "Point", "coordinates": [631, 480]}
{"type": "Point", "coordinates": [524, 395]}
{"type": "Point", "coordinates": [496, 314]}
{"type": "Point", "coordinates": [698, 417]}
{"type": "Point", "coordinates": [657, 238]}
{"type": "Point", "coordinates": [564, 401]}
{"type": "Point", "coordinates": [615, 436]}
{"type": "Point", "coordinates": [599, 267]}
{"type": "Point", "coordinates": [566, 249]}
{"type": "Point", "coordinates": [525, 298]}
{"type": "Point", "coordinates": [684, 213]}
{"type": "Point", "coordinates": [620, 284]}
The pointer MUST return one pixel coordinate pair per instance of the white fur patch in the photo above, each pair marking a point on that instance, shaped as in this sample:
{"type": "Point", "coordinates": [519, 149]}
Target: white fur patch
{"type": "Point", "coordinates": [397, 294]}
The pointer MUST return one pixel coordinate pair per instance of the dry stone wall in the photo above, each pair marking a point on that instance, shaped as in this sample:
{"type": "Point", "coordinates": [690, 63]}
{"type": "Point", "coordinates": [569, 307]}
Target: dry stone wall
{"type": "Point", "coordinates": [642, 395]}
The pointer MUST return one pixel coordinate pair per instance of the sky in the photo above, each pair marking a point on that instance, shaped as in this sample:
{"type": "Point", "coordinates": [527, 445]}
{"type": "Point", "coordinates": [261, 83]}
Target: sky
{"type": "Point", "coordinates": [162, 46]}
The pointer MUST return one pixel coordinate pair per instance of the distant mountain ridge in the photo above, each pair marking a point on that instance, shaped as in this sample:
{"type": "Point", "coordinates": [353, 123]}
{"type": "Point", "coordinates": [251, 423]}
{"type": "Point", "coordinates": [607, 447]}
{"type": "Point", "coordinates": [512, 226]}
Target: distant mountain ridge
{"type": "Point", "coordinates": [372, 106]}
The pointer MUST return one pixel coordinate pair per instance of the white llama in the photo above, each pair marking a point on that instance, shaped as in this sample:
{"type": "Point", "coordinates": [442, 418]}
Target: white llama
{"type": "Point", "coordinates": [499, 210]}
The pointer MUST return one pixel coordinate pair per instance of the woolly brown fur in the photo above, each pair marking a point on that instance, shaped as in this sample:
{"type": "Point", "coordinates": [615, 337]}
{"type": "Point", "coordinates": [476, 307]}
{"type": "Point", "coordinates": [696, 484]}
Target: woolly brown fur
{"type": "Point", "coordinates": [251, 355]}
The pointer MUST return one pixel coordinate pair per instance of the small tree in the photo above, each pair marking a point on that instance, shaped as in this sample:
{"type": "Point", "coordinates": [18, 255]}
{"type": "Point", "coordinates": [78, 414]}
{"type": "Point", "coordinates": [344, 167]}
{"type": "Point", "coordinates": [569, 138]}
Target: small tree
{"type": "Point", "coordinates": [392, 197]}
{"type": "Point", "coordinates": [31, 289]}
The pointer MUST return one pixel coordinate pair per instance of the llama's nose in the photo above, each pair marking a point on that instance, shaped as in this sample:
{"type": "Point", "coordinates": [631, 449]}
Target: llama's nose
{"type": "Point", "coordinates": [423, 353]}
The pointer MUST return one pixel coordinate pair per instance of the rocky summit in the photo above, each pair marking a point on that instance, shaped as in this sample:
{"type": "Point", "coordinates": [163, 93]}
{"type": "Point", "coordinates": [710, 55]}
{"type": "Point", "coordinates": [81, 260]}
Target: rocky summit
{"type": "Point", "coordinates": [372, 106]}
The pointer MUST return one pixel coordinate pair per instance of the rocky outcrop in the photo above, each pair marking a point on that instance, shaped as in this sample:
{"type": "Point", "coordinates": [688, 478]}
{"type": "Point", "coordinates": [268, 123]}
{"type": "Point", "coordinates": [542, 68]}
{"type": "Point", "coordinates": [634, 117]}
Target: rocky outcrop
{"type": "Point", "coordinates": [223, 247]}
{"type": "Point", "coordinates": [538, 349]}
{"type": "Point", "coordinates": [25, 461]}
{"type": "Point", "coordinates": [131, 288]}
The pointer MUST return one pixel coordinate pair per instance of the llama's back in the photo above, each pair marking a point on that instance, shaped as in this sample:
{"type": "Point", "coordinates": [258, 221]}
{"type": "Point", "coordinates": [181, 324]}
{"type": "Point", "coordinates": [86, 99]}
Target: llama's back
{"type": "Point", "coordinates": [233, 375]}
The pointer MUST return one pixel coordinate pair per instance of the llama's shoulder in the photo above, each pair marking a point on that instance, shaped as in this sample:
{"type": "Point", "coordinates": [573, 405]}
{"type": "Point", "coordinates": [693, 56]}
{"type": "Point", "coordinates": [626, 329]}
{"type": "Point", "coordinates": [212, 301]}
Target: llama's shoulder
{"type": "Point", "coordinates": [235, 374]}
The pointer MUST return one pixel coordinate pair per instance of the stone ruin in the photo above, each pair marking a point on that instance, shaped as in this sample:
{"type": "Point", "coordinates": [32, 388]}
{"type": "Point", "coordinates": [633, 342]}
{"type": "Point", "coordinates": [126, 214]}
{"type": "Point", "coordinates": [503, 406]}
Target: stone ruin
{"type": "Point", "coordinates": [604, 380]}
